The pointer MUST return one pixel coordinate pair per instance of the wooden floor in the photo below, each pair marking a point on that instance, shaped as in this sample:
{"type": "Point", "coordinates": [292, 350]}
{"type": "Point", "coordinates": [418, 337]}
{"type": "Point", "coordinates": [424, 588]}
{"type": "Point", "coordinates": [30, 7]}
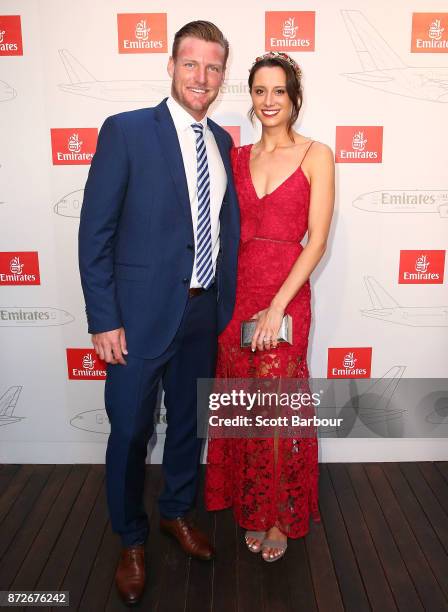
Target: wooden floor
{"type": "Point", "coordinates": [382, 545]}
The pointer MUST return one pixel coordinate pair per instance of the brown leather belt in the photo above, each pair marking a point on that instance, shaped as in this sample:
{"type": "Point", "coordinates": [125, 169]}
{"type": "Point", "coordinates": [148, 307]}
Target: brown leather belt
{"type": "Point", "coordinates": [195, 291]}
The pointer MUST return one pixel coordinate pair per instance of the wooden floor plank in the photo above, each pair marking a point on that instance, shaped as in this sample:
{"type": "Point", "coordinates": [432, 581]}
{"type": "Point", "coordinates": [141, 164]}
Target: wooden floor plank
{"type": "Point", "coordinates": [43, 544]}
{"type": "Point", "coordinates": [346, 567]}
{"type": "Point", "coordinates": [419, 523]}
{"type": "Point", "coordinates": [400, 581]}
{"type": "Point", "coordinates": [59, 560]}
{"type": "Point", "coordinates": [326, 588]}
{"type": "Point", "coordinates": [376, 585]}
{"type": "Point", "coordinates": [276, 595]}
{"type": "Point", "coordinates": [436, 481]}
{"type": "Point", "coordinates": [23, 506]}
{"type": "Point", "coordinates": [425, 583]}
{"type": "Point", "coordinates": [6, 475]}
{"type": "Point", "coordinates": [10, 562]}
{"type": "Point", "coordinates": [101, 577]}
{"type": "Point", "coordinates": [200, 579]}
{"type": "Point", "coordinates": [78, 572]}
{"type": "Point", "coordinates": [381, 545]}
{"type": "Point", "coordinates": [15, 486]}
{"type": "Point", "coordinates": [174, 577]}
{"type": "Point", "coordinates": [428, 501]}
{"type": "Point", "coordinates": [442, 466]}
{"type": "Point", "coordinates": [301, 588]}
{"type": "Point", "coordinates": [164, 556]}
{"type": "Point", "coordinates": [250, 588]}
{"type": "Point", "coordinates": [224, 579]}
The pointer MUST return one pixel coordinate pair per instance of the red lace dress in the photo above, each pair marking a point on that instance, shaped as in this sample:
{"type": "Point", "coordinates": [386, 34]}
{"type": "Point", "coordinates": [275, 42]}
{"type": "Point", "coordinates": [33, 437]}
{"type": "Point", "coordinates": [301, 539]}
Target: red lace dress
{"type": "Point", "coordinates": [270, 481]}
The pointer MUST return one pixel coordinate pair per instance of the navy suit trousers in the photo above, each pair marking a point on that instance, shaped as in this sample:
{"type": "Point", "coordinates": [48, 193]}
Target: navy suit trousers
{"type": "Point", "coordinates": [131, 394]}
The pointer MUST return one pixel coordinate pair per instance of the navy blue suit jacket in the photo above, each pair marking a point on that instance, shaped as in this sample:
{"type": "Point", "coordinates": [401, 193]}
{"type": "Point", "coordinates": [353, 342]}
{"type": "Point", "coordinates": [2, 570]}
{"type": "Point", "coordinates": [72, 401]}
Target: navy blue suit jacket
{"type": "Point", "coordinates": [136, 245]}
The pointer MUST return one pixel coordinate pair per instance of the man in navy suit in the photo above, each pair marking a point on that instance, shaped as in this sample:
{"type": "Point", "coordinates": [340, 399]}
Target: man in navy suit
{"type": "Point", "coordinates": [158, 244]}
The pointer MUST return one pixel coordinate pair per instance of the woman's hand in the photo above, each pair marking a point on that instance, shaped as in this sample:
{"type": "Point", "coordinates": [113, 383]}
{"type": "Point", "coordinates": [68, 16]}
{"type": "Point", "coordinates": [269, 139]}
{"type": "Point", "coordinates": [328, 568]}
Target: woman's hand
{"type": "Point", "coordinates": [269, 321]}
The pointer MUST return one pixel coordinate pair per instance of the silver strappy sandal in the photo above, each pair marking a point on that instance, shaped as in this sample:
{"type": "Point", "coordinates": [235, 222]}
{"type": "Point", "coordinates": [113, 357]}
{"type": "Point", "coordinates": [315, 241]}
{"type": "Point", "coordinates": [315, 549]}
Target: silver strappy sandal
{"type": "Point", "coordinates": [258, 535]}
{"type": "Point", "coordinates": [280, 546]}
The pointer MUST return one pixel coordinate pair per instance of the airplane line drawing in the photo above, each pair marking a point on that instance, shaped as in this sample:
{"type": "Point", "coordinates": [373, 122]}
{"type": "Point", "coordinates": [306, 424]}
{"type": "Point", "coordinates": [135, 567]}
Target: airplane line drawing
{"type": "Point", "coordinates": [97, 421]}
{"type": "Point", "coordinates": [404, 201]}
{"type": "Point", "coordinates": [83, 83]}
{"type": "Point", "coordinates": [372, 406]}
{"type": "Point", "coordinates": [70, 204]}
{"type": "Point", "coordinates": [383, 69]}
{"type": "Point", "coordinates": [33, 316]}
{"type": "Point", "coordinates": [8, 403]}
{"type": "Point", "coordinates": [6, 92]}
{"type": "Point", "coordinates": [386, 308]}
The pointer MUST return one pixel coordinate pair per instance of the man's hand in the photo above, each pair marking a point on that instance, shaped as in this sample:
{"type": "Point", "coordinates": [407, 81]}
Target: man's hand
{"type": "Point", "coordinates": [111, 345]}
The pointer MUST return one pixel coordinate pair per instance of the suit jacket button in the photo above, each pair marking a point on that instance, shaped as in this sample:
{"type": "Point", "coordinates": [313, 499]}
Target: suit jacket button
{"type": "Point", "coordinates": [190, 247]}
{"type": "Point", "coordinates": [185, 280]}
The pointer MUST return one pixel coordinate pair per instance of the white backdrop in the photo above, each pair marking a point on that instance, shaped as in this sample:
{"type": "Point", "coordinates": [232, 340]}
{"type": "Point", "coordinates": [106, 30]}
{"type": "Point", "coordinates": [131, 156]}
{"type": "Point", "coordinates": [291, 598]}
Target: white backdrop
{"type": "Point", "coordinates": [361, 73]}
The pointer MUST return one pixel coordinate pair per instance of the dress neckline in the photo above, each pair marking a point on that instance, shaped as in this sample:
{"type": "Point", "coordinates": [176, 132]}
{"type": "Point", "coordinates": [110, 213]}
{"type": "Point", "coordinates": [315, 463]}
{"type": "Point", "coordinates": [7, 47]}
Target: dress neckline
{"type": "Point", "coordinates": [298, 169]}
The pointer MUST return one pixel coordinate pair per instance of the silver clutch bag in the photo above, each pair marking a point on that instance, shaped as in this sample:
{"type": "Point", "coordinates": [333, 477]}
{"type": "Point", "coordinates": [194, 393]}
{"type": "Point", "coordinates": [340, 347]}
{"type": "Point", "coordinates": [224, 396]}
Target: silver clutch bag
{"type": "Point", "coordinates": [284, 334]}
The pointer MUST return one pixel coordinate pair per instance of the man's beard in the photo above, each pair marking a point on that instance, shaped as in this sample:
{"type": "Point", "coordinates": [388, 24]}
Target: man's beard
{"type": "Point", "coordinates": [177, 95]}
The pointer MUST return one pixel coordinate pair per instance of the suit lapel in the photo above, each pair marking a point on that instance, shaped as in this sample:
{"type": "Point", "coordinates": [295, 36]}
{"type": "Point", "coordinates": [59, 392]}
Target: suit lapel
{"type": "Point", "coordinates": [169, 145]}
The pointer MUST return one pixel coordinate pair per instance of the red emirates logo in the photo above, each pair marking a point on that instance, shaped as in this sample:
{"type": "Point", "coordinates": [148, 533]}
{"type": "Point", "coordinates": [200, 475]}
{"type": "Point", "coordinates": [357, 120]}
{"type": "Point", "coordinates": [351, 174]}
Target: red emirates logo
{"type": "Point", "coordinates": [429, 33]}
{"type": "Point", "coordinates": [353, 362]}
{"type": "Point", "coordinates": [359, 144]}
{"type": "Point", "coordinates": [142, 33]}
{"type": "Point", "coordinates": [73, 146]}
{"type": "Point", "coordinates": [19, 268]}
{"type": "Point", "coordinates": [235, 132]}
{"type": "Point", "coordinates": [10, 35]}
{"type": "Point", "coordinates": [290, 30]}
{"type": "Point", "coordinates": [84, 364]}
{"type": "Point", "coordinates": [421, 267]}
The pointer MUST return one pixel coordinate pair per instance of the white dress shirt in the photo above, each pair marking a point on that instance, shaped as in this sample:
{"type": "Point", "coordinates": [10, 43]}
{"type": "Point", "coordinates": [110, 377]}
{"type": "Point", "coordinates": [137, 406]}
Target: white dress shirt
{"type": "Point", "coordinates": [217, 173]}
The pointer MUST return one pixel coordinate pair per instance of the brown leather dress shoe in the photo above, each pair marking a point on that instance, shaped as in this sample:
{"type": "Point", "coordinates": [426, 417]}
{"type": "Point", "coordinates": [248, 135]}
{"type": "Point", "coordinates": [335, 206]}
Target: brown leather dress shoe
{"type": "Point", "coordinates": [130, 574]}
{"type": "Point", "coordinates": [192, 541]}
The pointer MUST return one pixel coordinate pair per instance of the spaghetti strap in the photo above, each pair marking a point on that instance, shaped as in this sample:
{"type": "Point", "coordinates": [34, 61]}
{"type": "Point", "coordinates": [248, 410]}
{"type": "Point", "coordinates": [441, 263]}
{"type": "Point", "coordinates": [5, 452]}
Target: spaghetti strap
{"type": "Point", "coordinates": [235, 157]}
{"type": "Point", "coordinates": [311, 144]}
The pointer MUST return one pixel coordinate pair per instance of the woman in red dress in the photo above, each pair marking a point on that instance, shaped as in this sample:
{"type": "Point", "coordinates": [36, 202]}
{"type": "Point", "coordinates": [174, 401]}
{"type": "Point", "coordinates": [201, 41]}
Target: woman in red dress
{"type": "Point", "coordinates": [285, 186]}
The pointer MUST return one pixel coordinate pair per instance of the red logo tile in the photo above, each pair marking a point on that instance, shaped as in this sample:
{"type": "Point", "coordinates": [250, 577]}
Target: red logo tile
{"type": "Point", "coordinates": [429, 33]}
{"type": "Point", "coordinates": [10, 35]}
{"type": "Point", "coordinates": [19, 268]}
{"type": "Point", "coordinates": [359, 144]}
{"type": "Point", "coordinates": [290, 30]}
{"type": "Point", "coordinates": [421, 267]}
{"type": "Point", "coordinates": [142, 33]}
{"type": "Point", "coordinates": [84, 364]}
{"type": "Point", "coordinates": [349, 362]}
{"type": "Point", "coordinates": [73, 146]}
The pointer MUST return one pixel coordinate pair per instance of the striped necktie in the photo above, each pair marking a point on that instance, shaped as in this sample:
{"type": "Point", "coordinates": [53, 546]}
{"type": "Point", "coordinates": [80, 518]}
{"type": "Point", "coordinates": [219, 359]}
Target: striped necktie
{"type": "Point", "coordinates": [204, 263]}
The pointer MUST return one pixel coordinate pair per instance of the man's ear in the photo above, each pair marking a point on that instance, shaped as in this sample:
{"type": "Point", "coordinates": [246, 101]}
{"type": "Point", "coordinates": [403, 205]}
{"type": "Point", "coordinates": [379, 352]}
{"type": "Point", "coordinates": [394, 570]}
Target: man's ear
{"type": "Point", "coordinates": [170, 67]}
